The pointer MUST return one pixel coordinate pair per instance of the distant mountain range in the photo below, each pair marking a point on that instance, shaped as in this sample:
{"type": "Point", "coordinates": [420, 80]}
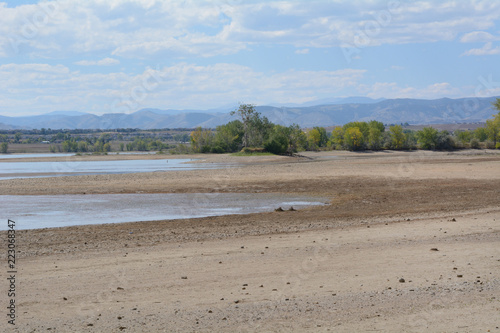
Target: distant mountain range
{"type": "Point", "coordinates": [330, 112]}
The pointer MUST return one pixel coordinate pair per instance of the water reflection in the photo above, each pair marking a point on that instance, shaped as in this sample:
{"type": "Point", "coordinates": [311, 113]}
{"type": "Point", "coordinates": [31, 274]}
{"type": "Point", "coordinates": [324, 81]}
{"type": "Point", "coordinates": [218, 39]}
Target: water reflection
{"type": "Point", "coordinates": [33, 212]}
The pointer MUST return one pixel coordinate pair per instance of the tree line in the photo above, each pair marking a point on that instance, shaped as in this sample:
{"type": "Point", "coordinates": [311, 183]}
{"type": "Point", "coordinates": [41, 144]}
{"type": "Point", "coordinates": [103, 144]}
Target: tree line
{"type": "Point", "coordinates": [252, 130]}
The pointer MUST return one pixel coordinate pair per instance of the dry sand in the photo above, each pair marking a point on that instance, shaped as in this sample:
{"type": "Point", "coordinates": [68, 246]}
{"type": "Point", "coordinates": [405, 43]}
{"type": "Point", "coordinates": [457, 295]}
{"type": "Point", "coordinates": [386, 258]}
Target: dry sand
{"type": "Point", "coordinates": [410, 243]}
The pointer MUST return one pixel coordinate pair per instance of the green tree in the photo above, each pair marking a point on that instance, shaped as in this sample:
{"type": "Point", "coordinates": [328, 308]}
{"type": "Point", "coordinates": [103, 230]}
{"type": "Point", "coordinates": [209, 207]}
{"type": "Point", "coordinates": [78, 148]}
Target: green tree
{"type": "Point", "coordinates": [201, 140]}
{"type": "Point", "coordinates": [427, 138]}
{"type": "Point", "coordinates": [353, 138]}
{"type": "Point", "coordinates": [313, 139]}
{"type": "Point", "coordinates": [17, 137]}
{"type": "Point", "coordinates": [374, 138]}
{"type": "Point", "coordinates": [277, 142]}
{"type": "Point", "coordinates": [463, 136]}
{"type": "Point", "coordinates": [246, 113]}
{"type": "Point", "coordinates": [337, 138]}
{"type": "Point", "coordinates": [4, 147]}
{"type": "Point", "coordinates": [397, 136]}
{"type": "Point", "coordinates": [228, 137]}
{"type": "Point", "coordinates": [493, 128]}
{"type": "Point", "coordinates": [480, 134]}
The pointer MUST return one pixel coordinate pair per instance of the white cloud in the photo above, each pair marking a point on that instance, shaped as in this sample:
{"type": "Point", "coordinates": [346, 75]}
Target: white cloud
{"type": "Point", "coordinates": [487, 49]}
{"type": "Point", "coordinates": [179, 86]}
{"type": "Point", "coordinates": [478, 36]}
{"type": "Point", "coordinates": [143, 28]}
{"type": "Point", "coordinates": [302, 51]}
{"type": "Point", "coordinates": [394, 90]}
{"type": "Point", "coordinates": [102, 62]}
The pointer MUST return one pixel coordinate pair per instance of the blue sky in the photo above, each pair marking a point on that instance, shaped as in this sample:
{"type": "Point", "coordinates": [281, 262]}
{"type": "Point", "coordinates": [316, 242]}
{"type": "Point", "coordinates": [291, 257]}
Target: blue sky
{"type": "Point", "coordinates": [107, 56]}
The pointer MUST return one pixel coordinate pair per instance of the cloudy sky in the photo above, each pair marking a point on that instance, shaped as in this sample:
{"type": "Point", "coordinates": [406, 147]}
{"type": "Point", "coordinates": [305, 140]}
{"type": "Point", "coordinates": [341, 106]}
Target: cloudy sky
{"type": "Point", "coordinates": [106, 56]}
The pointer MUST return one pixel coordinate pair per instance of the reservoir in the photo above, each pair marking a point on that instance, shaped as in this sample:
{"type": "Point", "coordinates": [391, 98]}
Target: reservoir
{"type": "Point", "coordinates": [13, 170]}
{"type": "Point", "coordinates": [49, 211]}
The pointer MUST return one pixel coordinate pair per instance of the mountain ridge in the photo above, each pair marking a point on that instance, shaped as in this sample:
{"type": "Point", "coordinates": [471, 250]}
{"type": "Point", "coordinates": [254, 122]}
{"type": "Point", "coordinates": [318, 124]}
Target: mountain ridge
{"type": "Point", "coordinates": [388, 111]}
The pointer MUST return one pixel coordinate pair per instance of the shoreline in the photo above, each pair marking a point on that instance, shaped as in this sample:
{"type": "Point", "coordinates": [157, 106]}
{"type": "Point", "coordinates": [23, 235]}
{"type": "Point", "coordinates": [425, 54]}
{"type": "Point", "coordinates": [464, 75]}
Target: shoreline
{"type": "Point", "coordinates": [429, 219]}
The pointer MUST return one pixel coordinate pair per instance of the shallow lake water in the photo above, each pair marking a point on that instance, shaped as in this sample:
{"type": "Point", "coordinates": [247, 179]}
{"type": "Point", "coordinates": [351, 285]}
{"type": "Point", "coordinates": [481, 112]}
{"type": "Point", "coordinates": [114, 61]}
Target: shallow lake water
{"type": "Point", "coordinates": [12, 170]}
{"type": "Point", "coordinates": [34, 212]}
{"type": "Point", "coordinates": [37, 155]}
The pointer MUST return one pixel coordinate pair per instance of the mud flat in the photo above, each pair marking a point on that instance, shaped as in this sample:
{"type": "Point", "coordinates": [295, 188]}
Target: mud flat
{"type": "Point", "coordinates": [409, 243]}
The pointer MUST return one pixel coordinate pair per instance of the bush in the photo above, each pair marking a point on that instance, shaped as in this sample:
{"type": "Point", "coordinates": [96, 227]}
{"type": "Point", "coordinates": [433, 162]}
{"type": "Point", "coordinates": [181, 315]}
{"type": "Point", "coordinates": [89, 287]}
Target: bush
{"type": "Point", "coordinates": [490, 144]}
{"type": "Point", "coordinates": [445, 141]}
{"type": "Point", "coordinates": [217, 150]}
{"type": "Point", "coordinates": [474, 143]}
{"type": "Point", "coordinates": [497, 146]}
{"type": "Point", "coordinates": [278, 145]}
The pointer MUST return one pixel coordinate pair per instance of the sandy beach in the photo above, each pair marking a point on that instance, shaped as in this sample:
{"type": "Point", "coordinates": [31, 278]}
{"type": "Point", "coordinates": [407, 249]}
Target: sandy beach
{"type": "Point", "coordinates": [410, 242]}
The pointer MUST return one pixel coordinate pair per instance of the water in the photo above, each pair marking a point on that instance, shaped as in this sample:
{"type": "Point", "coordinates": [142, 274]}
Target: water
{"type": "Point", "coordinates": [8, 156]}
{"type": "Point", "coordinates": [72, 168]}
{"type": "Point", "coordinates": [34, 212]}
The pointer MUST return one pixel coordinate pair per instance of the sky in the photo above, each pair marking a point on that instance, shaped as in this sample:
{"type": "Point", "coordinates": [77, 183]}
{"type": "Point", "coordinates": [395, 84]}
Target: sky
{"type": "Point", "coordinates": [119, 56]}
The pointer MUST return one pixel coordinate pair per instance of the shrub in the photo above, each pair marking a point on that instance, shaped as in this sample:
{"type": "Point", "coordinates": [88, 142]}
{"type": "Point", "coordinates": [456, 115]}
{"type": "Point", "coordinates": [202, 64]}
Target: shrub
{"type": "Point", "coordinates": [490, 144]}
{"type": "Point", "coordinates": [474, 143]}
{"type": "Point", "coordinates": [217, 150]}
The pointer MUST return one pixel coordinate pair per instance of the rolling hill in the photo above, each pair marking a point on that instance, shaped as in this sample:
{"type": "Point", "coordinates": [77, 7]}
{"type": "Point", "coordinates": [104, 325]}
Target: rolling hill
{"type": "Point", "coordinates": [388, 111]}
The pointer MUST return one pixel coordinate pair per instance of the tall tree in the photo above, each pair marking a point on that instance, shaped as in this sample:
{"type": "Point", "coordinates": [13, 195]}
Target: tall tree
{"type": "Point", "coordinates": [397, 136]}
{"type": "Point", "coordinates": [246, 112]}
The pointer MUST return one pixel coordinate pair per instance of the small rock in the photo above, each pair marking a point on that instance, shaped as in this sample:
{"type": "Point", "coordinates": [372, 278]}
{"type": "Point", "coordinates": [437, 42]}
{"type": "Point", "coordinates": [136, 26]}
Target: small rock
{"type": "Point", "coordinates": [291, 209]}
{"type": "Point", "coordinates": [279, 209]}
{"type": "Point", "coordinates": [460, 275]}
{"type": "Point", "coordinates": [119, 288]}
{"type": "Point", "coordinates": [453, 220]}
{"type": "Point", "coordinates": [184, 277]}
{"type": "Point", "coordinates": [237, 301]}
{"type": "Point", "coordinates": [402, 280]}
{"type": "Point", "coordinates": [434, 249]}
{"type": "Point", "coordinates": [64, 298]}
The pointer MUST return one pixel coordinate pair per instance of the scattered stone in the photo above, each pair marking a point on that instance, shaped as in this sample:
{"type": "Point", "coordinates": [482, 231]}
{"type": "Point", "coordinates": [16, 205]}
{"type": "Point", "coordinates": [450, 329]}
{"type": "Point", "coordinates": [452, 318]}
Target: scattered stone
{"type": "Point", "coordinates": [460, 275]}
{"type": "Point", "coordinates": [119, 288]}
{"type": "Point", "coordinates": [209, 311]}
{"type": "Point", "coordinates": [434, 249]}
{"type": "Point", "coordinates": [245, 285]}
{"type": "Point", "coordinates": [184, 277]}
{"type": "Point", "coordinates": [402, 280]}
{"type": "Point", "coordinates": [90, 324]}
{"type": "Point", "coordinates": [121, 328]}
{"type": "Point", "coordinates": [292, 209]}
{"type": "Point", "coordinates": [453, 220]}
{"type": "Point", "coordinates": [119, 318]}
{"type": "Point", "coordinates": [279, 209]}
{"type": "Point", "coordinates": [237, 301]}
{"type": "Point", "coordinates": [64, 298]}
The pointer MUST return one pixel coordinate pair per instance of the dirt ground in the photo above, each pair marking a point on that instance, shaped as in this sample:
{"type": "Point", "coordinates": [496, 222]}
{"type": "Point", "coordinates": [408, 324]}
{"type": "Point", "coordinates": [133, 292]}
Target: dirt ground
{"type": "Point", "coordinates": [409, 243]}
